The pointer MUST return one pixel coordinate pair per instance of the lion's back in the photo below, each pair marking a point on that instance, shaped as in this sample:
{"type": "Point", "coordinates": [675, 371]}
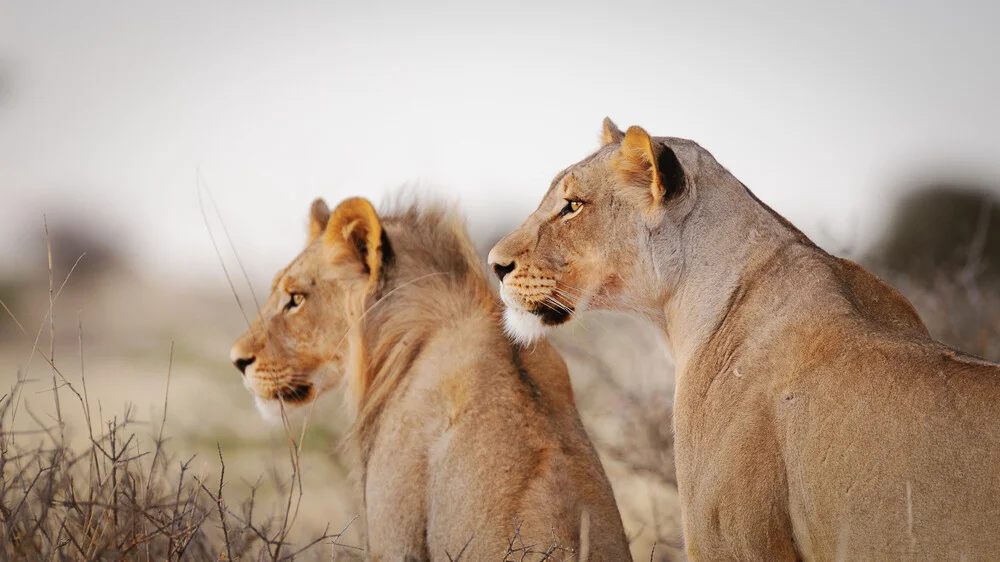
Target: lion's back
{"type": "Point", "coordinates": [514, 453]}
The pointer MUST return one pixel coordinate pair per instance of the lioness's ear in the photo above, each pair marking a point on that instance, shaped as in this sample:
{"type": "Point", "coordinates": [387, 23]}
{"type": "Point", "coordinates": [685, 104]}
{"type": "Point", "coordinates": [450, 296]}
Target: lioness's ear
{"type": "Point", "coordinates": [319, 215]}
{"type": "Point", "coordinates": [355, 222]}
{"type": "Point", "coordinates": [644, 162]}
{"type": "Point", "coordinates": [610, 132]}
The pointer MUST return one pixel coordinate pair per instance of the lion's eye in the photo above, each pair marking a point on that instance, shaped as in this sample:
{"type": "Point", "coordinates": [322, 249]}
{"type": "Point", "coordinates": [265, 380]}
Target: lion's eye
{"type": "Point", "coordinates": [571, 207]}
{"type": "Point", "coordinates": [295, 300]}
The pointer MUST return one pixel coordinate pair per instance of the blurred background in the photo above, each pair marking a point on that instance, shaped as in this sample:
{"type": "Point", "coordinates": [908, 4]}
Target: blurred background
{"type": "Point", "coordinates": [133, 131]}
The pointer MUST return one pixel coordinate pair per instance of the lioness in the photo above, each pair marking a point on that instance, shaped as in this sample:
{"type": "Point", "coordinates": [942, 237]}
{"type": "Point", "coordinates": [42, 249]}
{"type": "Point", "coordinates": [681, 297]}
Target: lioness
{"type": "Point", "coordinates": [815, 418]}
{"type": "Point", "coordinates": [464, 438]}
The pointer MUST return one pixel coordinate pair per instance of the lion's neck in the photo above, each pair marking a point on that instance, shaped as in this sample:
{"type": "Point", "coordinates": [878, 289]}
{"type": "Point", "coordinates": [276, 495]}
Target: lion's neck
{"type": "Point", "coordinates": [407, 321]}
{"type": "Point", "coordinates": [728, 244]}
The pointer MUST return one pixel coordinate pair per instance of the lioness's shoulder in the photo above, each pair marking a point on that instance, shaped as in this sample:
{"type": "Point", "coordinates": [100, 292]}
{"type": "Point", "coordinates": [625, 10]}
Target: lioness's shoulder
{"type": "Point", "coordinates": [878, 301]}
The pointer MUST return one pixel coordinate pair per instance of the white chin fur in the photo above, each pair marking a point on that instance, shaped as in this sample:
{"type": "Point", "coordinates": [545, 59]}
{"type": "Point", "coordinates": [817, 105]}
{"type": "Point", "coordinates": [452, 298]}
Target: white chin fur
{"type": "Point", "coordinates": [522, 327]}
{"type": "Point", "coordinates": [270, 410]}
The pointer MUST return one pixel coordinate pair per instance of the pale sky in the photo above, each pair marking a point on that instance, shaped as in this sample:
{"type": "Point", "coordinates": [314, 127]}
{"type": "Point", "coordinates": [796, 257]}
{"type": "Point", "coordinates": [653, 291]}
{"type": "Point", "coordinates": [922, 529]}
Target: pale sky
{"type": "Point", "coordinates": [825, 110]}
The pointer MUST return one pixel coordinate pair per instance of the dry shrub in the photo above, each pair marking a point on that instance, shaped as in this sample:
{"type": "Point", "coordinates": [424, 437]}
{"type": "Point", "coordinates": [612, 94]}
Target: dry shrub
{"type": "Point", "coordinates": [116, 498]}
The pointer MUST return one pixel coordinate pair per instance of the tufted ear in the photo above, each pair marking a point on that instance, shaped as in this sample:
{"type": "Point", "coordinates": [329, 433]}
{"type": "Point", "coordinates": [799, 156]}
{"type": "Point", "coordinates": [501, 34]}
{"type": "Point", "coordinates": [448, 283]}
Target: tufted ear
{"type": "Point", "coordinates": [610, 133]}
{"type": "Point", "coordinates": [319, 215]}
{"type": "Point", "coordinates": [355, 222]}
{"type": "Point", "coordinates": [644, 162]}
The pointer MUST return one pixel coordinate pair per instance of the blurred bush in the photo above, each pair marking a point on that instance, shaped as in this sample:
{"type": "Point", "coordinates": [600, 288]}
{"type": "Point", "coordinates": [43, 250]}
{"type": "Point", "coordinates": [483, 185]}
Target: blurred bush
{"type": "Point", "coordinates": [79, 246]}
{"type": "Point", "coordinates": [942, 229]}
{"type": "Point", "coordinates": [72, 239]}
{"type": "Point", "coordinates": [942, 251]}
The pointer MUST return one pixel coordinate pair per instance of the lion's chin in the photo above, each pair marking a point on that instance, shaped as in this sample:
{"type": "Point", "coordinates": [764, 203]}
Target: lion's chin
{"type": "Point", "coordinates": [523, 327]}
{"type": "Point", "coordinates": [270, 409]}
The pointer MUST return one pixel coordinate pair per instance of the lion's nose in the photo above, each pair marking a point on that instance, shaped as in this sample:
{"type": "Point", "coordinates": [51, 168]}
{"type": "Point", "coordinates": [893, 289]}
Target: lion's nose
{"type": "Point", "coordinates": [243, 362]}
{"type": "Point", "coordinates": [502, 270]}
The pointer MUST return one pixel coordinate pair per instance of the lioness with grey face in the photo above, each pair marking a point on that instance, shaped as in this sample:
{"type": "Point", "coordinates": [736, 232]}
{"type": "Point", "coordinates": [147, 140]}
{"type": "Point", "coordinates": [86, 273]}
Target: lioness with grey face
{"type": "Point", "coordinates": [815, 418]}
{"type": "Point", "coordinates": [464, 438]}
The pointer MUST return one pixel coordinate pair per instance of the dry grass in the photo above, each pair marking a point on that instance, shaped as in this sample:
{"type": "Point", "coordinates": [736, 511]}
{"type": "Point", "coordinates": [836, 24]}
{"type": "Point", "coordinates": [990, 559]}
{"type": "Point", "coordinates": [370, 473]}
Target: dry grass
{"type": "Point", "coordinates": [117, 499]}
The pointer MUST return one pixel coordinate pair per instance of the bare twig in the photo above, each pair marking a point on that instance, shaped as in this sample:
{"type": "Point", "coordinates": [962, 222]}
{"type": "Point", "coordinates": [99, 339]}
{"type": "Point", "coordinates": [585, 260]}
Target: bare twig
{"type": "Point", "coordinates": [52, 330]}
{"type": "Point", "coordinates": [222, 262]}
{"type": "Point", "coordinates": [203, 185]}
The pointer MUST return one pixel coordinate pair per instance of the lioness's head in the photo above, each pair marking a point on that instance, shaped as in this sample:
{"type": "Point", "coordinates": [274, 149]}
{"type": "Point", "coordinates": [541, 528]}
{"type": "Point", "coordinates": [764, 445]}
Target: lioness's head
{"type": "Point", "coordinates": [588, 244]}
{"type": "Point", "coordinates": [296, 348]}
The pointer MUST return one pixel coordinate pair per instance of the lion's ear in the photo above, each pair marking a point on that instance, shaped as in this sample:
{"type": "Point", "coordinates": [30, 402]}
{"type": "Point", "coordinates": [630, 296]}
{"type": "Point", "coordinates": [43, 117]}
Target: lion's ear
{"type": "Point", "coordinates": [610, 133]}
{"type": "Point", "coordinates": [355, 223]}
{"type": "Point", "coordinates": [643, 162]}
{"type": "Point", "coordinates": [319, 215]}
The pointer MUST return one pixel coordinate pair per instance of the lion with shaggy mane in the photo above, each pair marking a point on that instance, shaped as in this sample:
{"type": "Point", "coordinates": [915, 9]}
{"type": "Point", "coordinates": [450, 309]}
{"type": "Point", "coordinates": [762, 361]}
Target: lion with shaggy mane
{"type": "Point", "coordinates": [815, 418]}
{"type": "Point", "coordinates": [463, 436]}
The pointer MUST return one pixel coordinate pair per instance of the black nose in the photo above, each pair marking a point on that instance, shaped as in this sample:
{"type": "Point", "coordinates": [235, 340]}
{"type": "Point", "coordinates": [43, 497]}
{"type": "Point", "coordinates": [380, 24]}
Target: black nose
{"type": "Point", "coordinates": [502, 270]}
{"type": "Point", "coordinates": [243, 362]}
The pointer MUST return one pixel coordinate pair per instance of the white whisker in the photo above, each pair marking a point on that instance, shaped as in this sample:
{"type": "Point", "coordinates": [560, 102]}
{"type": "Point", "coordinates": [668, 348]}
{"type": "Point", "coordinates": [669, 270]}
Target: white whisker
{"type": "Point", "coordinates": [552, 301]}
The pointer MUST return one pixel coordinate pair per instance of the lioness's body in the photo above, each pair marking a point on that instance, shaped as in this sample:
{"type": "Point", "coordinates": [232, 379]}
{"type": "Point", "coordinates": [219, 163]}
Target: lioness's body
{"type": "Point", "coordinates": [814, 422]}
{"type": "Point", "coordinates": [468, 443]}
{"type": "Point", "coordinates": [815, 418]}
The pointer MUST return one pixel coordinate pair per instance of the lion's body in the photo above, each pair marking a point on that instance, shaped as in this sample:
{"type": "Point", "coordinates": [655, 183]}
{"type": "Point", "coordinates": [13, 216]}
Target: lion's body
{"type": "Point", "coordinates": [468, 443]}
{"type": "Point", "coordinates": [467, 448]}
{"type": "Point", "coordinates": [815, 418]}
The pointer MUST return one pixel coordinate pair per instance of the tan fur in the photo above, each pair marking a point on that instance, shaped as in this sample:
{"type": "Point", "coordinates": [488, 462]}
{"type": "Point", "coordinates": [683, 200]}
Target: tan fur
{"type": "Point", "coordinates": [319, 215]}
{"type": "Point", "coordinates": [464, 438]}
{"type": "Point", "coordinates": [610, 133]}
{"type": "Point", "coordinates": [815, 418]}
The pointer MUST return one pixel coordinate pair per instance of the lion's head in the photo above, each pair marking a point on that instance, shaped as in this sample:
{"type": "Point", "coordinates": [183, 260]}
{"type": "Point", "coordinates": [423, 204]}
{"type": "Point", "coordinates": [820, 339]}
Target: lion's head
{"type": "Point", "coordinates": [588, 243]}
{"type": "Point", "coordinates": [297, 347]}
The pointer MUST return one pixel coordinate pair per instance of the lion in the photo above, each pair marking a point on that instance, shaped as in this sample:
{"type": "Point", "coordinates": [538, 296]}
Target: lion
{"type": "Point", "coordinates": [815, 417]}
{"type": "Point", "coordinates": [468, 444]}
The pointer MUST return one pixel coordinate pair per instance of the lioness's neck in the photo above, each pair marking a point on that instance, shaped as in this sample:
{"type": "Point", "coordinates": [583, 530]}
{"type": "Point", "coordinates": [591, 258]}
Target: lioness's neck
{"type": "Point", "coordinates": [728, 241]}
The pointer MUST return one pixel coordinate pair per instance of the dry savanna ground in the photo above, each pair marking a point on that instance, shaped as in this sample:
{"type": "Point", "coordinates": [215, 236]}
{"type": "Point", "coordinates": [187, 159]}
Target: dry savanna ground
{"type": "Point", "coordinates": [129, 462]}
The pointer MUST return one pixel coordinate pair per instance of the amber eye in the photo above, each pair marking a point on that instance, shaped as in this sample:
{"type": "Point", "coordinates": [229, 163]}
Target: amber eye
{"type": "Point", "coordinates": [295, 300]}
{"type": "Point", "coordinates": [570, 208]}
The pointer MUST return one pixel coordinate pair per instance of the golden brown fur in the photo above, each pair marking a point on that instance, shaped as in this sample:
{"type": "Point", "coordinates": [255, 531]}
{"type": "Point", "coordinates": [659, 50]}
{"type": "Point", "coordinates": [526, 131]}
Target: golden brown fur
{"type": "Point", "coordinates": [815, 418]}
{"type": "Point", "coordinates": [463, 437]}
